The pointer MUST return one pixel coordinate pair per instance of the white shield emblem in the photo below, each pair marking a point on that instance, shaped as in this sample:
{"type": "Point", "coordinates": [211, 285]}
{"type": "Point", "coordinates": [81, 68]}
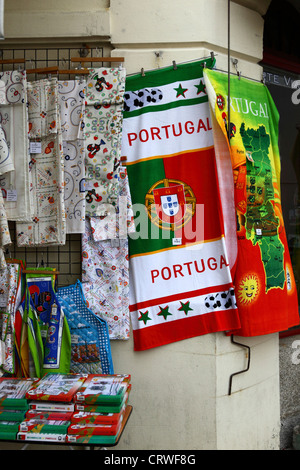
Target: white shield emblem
{"type": "Point", "coordinates": [170, 204]}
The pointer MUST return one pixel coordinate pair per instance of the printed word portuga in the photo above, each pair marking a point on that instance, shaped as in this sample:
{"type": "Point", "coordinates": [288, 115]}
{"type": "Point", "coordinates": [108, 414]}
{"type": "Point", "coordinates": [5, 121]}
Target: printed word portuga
{"type": "Point", "coordinates": [244, 106]}
{"type": "Point", "coordinates": [170, 130]}
{"type": "Point", "coordinates": [188, 269]}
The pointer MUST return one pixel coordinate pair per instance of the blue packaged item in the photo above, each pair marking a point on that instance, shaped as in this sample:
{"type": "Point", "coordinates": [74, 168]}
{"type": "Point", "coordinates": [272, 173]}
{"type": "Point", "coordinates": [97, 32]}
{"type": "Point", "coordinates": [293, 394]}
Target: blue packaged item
{"type": "Point", "coordinates": [91, 352]}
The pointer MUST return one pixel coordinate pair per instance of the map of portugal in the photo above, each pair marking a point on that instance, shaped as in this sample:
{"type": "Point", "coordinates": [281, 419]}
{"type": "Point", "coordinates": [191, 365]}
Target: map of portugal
{"type": "Point", "coordinates": [262, 217]}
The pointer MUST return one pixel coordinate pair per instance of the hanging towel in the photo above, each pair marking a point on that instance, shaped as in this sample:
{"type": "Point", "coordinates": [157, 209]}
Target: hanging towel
{"type": "Point", "coordinates": [180, 277]}
{"type": "Point", "coordinates": [71, 96]}
{"type": "Point", "coordinates": [103, 130]}
{"type": "Point", "coordinates": [48, 224]}
{"type": "Point", "coordinates": [264, 281]}
{"type": "Point", "coordinates": [105, 279]}
{"type": "Point", "coordinates": [15, 181]}
{"type": "Point", "coordinates": [5, 238]}
{"type": "Point", "coordinates": [10, 297]}
{"type": "Point", "coordinates": [116, 220]}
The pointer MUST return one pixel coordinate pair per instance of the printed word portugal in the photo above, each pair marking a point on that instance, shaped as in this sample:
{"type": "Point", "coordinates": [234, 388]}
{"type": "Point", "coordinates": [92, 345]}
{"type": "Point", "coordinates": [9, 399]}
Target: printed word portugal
{"type": "Point", "coordinates": [169, 130]}
{"type": "Point", "coordinates": [188, 269]}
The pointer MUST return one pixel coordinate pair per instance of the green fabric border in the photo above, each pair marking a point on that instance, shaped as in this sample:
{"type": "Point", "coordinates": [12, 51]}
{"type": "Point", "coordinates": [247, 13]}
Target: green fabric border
{"type": "Point", "coordinates": [164, 107]}
{"type": "Point", "coordinates": [167, 75]}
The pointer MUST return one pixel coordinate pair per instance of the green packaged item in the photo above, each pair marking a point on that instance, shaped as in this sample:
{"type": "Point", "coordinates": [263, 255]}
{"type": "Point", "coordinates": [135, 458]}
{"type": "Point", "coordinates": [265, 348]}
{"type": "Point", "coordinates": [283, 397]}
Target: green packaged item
{"type": "Point", "coordinates": [91, 439]}
{"type": "Point", "coordinates": [8, 436]}
{"type": "Point", "coordinates": [9, 426]}
{"type": "Point", "coordinates": [12, 415]}
{"type": "Point", "coordinates": [44, 426]}
{"type": "Point", "coordinates": [13, 393]}
{"type": "Point", "coordinates": [101, 389]}
{"type": "Point", "coordinates": [104, 408]}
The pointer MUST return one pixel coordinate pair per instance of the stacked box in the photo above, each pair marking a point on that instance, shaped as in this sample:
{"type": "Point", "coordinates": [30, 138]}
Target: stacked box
{"type": "Point", "coordinates": [56, 387]}
{"type": "Point", "coordinates": [65, 408]}
{"type": "Point", "coordinates": [44, 426]}
{"type": "Point", "coordinates": [103, 389]}
{"type": "Point", "coordinates": [88, 436]}
{"type": "Point", "coordinates": [50, 408]}
{"type": "Point", "coordinates": [104, 408]}
{"type": "Point", "coordinates": [41, 437]}
{"type": "Point", "coordinates": [13, 404]}
{"type": "Point", "coordinates": [49, 414]}
{"type": "Point", "coordinates": [84, 417]}
{"type": "Point", "coordinates": [100, 405]}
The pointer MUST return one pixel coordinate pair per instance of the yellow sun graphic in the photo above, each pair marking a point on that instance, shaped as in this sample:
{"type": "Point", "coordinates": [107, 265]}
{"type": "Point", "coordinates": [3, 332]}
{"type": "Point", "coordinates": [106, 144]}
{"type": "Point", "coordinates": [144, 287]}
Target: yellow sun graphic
{"type": "Point", "coordinates": [248, 289]}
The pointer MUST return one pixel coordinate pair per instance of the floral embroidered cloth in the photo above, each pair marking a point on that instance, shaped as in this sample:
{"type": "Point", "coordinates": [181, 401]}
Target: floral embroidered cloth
{"type": "Point", "coordinates": [48, 224]}
{"type": "Point", "coordinates": [105, 281]}
{"type": "Point", "coordinates": [103, 127]}
{"type": "Point", "coordinates": [105, 267]}
{"type": "Point", "coordinates": [10, 296]}
{"type": "Point", "coordinates": [14, 148]}
{"type": "Point", "coordinates": [5, 238]}
{"type": "Point", "coordinates": [116, 220]}
{"type": "Point", "coordinates": [71, 96]}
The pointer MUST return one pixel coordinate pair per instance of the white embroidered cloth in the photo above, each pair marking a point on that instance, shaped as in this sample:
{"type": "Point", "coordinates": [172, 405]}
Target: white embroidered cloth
{"type": "Point", "coordinates": [71, 96]}
{"type": "Point", "coordinates": [15, 180]}
{"type": "Point", "coordinates": [48, 224]}
{"type": "Point", "coordinates": [103, 130]}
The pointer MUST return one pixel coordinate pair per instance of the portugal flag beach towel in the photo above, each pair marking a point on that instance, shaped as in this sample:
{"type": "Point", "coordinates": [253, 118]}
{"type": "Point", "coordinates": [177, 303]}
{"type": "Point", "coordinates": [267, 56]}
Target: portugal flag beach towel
{"type": "Point", "coordinates": [264, 282]}
{"type": "Point", "coordinates": [180, 274]}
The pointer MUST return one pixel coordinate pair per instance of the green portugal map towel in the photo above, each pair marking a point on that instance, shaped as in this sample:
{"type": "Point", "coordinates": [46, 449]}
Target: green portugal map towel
{"type": "Point", "coordinates": [264, 281]}
{"type": "Point", "coordinates": [180, 275]}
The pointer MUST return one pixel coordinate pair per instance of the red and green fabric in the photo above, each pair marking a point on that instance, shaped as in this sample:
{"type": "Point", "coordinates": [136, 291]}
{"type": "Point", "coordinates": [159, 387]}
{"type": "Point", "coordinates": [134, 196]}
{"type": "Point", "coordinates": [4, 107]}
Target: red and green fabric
{"type": "Point", "coordinates": [180, 275]}
{"type": "Point", "coordinates": [264, 281]}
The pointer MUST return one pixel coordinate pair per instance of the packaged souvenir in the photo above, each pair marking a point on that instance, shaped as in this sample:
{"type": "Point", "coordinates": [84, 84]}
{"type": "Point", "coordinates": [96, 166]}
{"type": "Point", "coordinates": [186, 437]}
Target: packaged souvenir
{"type": "Point", "coordinates": [56, 387]}
{"type": "Point", "coordinates": [91, 440]}
{"type": "Point", "coordinates": [50, 415]}
{"type": "Point", "coordinates": [13, 392]}
{"type": "Point", "coordinates": [103, 389]}
{"type": "Point", "coordinates": [9, 426]}
{"type": "Point", "coordinates": [8, 436]}
{"type": "Point", "coordinates": [44, 426]}
{"type": "Point", "coordinates": [104, 408]}
{"type": "Point", "coordinates": [95, 429]}
{"type": "Point", "coordinates": [12, 415]}
{"type": "Point", "coordinates": [48, 406]}
{"type": "Point", "coordinates": [44, 437]}
{"type": "Point", "coordinates": [84, 417]}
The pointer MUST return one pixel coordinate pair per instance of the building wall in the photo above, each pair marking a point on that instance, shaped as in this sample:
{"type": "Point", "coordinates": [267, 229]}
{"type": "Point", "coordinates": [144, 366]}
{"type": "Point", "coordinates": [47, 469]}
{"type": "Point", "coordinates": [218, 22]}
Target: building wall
{"type": "Point", "coordinates": [179, 391]}
{"type": "Point", "coordinates": [56, 19]}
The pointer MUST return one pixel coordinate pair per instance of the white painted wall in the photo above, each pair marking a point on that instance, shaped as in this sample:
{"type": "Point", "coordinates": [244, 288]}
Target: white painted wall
{"type": "Point", "coordinates": [180, 391]}
{"type": "Point", "coordinates": [27, 19]}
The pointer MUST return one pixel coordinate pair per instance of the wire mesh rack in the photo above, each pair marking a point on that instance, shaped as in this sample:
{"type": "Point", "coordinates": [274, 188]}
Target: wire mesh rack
{"type": "Point", "coordinates": [66, 258]}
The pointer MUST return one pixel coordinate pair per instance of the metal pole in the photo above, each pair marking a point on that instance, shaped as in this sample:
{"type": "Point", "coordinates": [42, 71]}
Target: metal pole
{"type": "Point", "coordinates": [228, 97]}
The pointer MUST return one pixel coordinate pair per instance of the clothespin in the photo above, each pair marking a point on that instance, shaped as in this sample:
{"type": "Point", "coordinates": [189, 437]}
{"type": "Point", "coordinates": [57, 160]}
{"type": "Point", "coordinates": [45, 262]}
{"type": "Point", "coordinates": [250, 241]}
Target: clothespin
{"type": "Point", "coordinates": [142, 72]}
{"type": "Point", "coordinates": [174, 65]}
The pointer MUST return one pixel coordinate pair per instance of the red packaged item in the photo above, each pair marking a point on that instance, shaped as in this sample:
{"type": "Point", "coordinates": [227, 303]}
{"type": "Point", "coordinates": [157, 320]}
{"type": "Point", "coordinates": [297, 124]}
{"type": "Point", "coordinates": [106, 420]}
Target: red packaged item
{"type": "Point", "coordinates": [94, 429]}
{"type": "Point", "coordinates": [51, 415]}
{"type": "Point", "coordinates": [85, 417]}
{"type": "Point", "coordinates": [56, 387]}
{"type": "Point", "coordinates": [103, 389]}
{"type": "Point", "coordinates": [44, 426]}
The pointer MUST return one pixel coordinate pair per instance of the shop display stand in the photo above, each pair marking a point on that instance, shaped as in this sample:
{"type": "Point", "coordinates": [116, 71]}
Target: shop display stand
{"type": "Point", "coordinates": [86, 446]}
